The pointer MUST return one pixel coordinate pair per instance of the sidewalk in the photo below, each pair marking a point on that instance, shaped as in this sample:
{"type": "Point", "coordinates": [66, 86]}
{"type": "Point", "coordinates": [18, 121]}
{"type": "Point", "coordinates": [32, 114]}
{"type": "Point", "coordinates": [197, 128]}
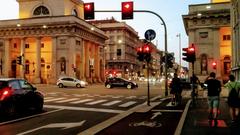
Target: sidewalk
{"type": "Point", "coordinates": [196, 122]}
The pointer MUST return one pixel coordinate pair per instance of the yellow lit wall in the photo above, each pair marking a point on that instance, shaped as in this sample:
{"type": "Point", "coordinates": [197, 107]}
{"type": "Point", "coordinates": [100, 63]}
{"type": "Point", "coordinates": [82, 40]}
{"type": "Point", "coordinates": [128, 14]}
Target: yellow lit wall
{"type": "Point", "coordinates": [225, 45]}
{"type": "Point", "coordinates": [218, 1]}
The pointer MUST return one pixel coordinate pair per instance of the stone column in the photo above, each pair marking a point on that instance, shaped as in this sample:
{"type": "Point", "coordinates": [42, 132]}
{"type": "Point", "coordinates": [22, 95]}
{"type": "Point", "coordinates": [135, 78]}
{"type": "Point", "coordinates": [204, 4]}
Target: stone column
{"type": "Point", "coordinates": [22, 53]}
{"type": "Point", "coordinates": [71, 56]}
{"type": "Point", "coordinates": [53, 68]}
{"type": "Point", "coordinates": [83, 61]}
{"type": "Point", "coordinates": [38, 61]}
{"type": "Point", "coordinates": [87, 58]}
{"type": "Point", "coordinates": [216, 50]}
{"type": "Point", "coordinates": [7, 60]}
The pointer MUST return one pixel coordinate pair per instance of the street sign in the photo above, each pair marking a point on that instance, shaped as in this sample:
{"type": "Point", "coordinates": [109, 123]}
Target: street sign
{"type": "Point", "coordinates": [150, 35]}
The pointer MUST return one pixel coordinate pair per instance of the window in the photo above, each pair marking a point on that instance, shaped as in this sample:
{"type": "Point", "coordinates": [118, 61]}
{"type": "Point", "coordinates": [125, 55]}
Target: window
{"type": "Point", "coordinates": [42, 45]}
{"type": "Point", "coordinates": [74, 12]}
{"type": "Point", "coordinates": [14, 85]}
{"type": "Point", "coordinates": [15, 45]}
{"type": "Point", "coordinates": [25, 85]}
{"type": "Point", "coordinates": [226, 37]}
{"type": "Point", "coordinates": [203, 34]}
{"type": "Point", "coordinates": [26, 45]}
{"type": "Point", "coordinates": [41, 10]}
{"type": "Point", "coordinates": [119, 52]}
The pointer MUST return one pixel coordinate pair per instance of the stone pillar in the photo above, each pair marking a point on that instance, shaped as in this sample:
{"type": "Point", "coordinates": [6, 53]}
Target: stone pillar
{"type": "Point", "coordinates": [71, 56]}
{"type": "Point", "coordinates": [216, 54]}
{"type": "Point", "coordinates": [38, 61]}
{"type": "Point", "coordinates": [53, 68]}
{"type": "Point", "coordinates": [87, 56]}
{"type": "Point", "coordinates": [22, 53]}
{"type": "Point", "coordinates": [7, 60]}
{"type": "Point", "coordinates": [83, 61]}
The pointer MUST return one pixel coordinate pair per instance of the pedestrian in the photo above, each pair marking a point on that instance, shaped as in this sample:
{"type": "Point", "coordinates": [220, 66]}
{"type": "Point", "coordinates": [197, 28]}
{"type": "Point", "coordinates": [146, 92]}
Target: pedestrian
{"type": "Point", "coordinates": [214, 89]}
{"type": "Point", "coordinates": [234, 104]}
{"type": "Point", "coordinates": [176, 90]}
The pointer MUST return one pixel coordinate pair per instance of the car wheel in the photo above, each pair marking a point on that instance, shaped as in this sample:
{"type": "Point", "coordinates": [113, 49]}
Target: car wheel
{"type": "Point", "coordinates": [78, 85]}
{"type": "Point", "coordinates": [129, 86]}
{"type": "Point", "coordinates": [60, 85]}
{"type": "Point", "coordinates": [108, 86]}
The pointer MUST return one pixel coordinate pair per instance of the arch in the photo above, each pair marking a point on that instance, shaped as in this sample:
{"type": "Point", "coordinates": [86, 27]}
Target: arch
{"type": "Point", "coordinates": [41, 11]}
{"type": "Point", "coordinates": [227, 64]}
{"type": "Point", "coordinates": [63, 65]}
{"type": "Point", "coordinates": [204, 64]}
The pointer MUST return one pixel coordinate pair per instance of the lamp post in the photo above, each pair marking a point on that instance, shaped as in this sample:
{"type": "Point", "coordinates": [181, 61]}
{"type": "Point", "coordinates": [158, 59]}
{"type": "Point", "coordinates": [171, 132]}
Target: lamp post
{"type": "Point", "coordinates": [179, 37]}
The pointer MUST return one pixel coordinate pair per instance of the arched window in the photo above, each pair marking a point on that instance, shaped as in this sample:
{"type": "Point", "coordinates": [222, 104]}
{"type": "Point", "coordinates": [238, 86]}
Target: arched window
{"type": "Point", "coordinates": [41, 11]}
{"type": "Point", "coordinates": [74, 12]}
{"type": "Point", "coordinates": [27, 66]}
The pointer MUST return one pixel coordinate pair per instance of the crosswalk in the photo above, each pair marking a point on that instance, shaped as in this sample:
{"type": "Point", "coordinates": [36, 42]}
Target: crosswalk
{"type": "Point", "coordinates": [91, 101]}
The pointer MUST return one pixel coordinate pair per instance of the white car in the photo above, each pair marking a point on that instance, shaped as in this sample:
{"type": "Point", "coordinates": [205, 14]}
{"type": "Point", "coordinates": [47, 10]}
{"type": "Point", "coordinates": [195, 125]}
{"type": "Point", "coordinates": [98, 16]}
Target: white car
{"type": "Point", "coordinates": [70, 82]}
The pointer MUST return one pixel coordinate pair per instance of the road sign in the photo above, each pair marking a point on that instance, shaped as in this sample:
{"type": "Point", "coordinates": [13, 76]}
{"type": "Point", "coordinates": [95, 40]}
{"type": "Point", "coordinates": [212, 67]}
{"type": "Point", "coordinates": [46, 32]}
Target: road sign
{"type": "Point", "coordinates": [150, 35]}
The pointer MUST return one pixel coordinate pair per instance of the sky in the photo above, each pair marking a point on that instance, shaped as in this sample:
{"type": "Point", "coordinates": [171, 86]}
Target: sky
{"type": "Point", "coordinates": [171, 12]}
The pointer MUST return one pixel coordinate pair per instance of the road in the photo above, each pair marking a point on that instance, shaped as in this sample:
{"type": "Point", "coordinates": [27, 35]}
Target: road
{"type": "Point", "coordinates": [72, 111]}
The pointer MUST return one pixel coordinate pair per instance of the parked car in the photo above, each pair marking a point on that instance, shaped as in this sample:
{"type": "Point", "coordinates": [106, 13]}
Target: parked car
{"type": "Point", "coordinates": [120, 82]}
{"type": "Point", "coordinates": [18, 95]}
{"type": "Point", "coordinates": [71, 82]}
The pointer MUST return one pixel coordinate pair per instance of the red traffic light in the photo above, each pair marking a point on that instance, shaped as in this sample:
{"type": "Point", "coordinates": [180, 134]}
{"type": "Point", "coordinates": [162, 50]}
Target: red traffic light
{"type": "Point", "coordinates": [214, 64]}
{"type": "Point", "coordinates": [146, 49]}
{"type": "Point", "coordinates": [139, 49]}
{"type": "Point", "coordinates": [191, 49]}
{"type": "Point", "coordinates": [88, 11]}
{"type": "Point", "coordinates": [127, 10]}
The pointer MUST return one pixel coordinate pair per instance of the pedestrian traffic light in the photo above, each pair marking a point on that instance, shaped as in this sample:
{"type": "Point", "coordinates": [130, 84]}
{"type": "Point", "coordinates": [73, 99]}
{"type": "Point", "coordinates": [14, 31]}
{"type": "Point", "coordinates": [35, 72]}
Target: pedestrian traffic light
{"type": "Point", "coordinates": [127, 10]}
{"type": "Point", "coordinates": [189, 53]}
{"type": "Point", "coordinates": [214, 65]}
{"type": "Point", "coordinates": [89, 11]}
{"type": "Point", "coordinates": [19, 60]}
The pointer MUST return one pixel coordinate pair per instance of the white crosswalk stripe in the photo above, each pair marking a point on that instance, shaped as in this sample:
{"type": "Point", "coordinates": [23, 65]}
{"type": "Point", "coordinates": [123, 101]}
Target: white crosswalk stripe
{"type": "Point", "coordinates": [46, 98]}
{"type": "Point", "coordinates": [112, 103]}
{"type": "Point", "coordinates": [96, 102]}
{"type": "Point", "coordinates": [67, 100]}
{"type": "Point", "coordinates": [81, 101]}
{"type": "Point", "coordinates": [127, 104]}
{"type": "Point", "coordinates": [55, 99]}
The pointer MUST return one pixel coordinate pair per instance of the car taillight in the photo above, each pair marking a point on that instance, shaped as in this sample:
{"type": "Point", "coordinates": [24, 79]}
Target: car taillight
{"type": "Point", "coordinates": [5, 93]}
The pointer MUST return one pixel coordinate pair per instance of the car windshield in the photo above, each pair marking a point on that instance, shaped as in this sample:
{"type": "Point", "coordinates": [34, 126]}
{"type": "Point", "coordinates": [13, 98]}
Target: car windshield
{"type": "Point", "coordinates": [3, 84]}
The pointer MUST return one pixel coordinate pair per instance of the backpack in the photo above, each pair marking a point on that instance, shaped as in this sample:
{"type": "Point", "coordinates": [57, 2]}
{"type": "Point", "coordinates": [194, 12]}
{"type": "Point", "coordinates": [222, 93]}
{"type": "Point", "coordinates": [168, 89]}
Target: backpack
{"type": "Point", "coordinates": [234, 94]}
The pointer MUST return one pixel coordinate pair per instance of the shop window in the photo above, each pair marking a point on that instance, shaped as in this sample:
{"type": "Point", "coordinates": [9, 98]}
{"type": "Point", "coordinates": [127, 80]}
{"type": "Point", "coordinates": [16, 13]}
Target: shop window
{"type": "Point", "coordinates": [226, 37]}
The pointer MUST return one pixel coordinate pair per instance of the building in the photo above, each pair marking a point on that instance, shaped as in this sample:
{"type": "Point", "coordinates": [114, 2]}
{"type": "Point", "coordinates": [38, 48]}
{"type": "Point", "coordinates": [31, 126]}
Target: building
{"type": "Point", "coordinates": [235, 19]}
{"type": "Point", "coordinates": [53, 40]}
{"type": "Point", "coordinates": [120, 48]}
{"type": "Point", "coordinates": [208, 28]}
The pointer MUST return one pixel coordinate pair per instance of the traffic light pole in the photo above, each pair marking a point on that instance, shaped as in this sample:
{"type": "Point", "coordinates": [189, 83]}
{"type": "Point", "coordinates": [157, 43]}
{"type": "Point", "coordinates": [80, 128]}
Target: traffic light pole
{"type": "Point", "coordinates": [165, 39]}
{"type": "Point", "coordinates": [193, 87]}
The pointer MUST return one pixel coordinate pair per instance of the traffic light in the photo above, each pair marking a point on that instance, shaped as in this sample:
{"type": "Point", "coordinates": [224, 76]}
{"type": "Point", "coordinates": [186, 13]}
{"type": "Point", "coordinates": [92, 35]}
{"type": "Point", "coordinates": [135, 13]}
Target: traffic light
{"type": "Point", "coordinates": [89, 11]}
{"type": "Point", "coordinates": [189, 53]}
{"type": "Point", "coordinates": [147, 52]}
{"type": "Point", "coordinates": [214, 65]}
{"type": "Point", "coordinates": [127, 10]}
{"type": "Point", "coordinates": [19, 60]}
{"type": "Point", "coordinates": [169, 60]}
{"type": "Point", "coordinates": [140, 54]}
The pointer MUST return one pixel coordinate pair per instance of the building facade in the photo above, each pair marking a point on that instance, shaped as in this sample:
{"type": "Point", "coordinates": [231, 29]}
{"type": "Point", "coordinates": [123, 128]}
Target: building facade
{"type": "Point", "coordinates": [235, 16]}
{"type": "Point", "coordinates": [120, 48]}
{"type": "Point", "coordinates": [208, 28]}
{"type": "Point", "coordinates": [53, 40]}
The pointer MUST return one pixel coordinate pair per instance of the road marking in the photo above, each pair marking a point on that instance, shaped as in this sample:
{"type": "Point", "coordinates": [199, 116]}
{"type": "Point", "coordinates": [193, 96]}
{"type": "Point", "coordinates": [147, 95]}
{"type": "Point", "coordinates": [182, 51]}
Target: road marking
{"type": "Point", "coordinates": [81, 101]}
{"type": "Point", "coordinates": [167, 110]}
{"type": "Point", "coordinates": [55, 125]}
{"type": "Point", "coordinates": [55, 99]}
{"type": "Point", "coordinates": [142, 97]}
{"type": "Point", "coordinates": [29, 117]}
{"type": "Point", "coordinates": [83, 109]}
{"type": "Point", "coordinates": [117, 96]}
{"type": "Point", "coordinates": [67, 100]}
{"type": "Point", "coordinates": [155, 115]}
{"type": "Point", "coordinates": [96, 102]}
{"type": "Point", "coordinates": [46, 98]}
{"type": "Point", "coordinates": [128, 104]}
{"type": "Point", "coordinates": [112, 103]}
{"type": "Point", "coordinates": [131, 97]}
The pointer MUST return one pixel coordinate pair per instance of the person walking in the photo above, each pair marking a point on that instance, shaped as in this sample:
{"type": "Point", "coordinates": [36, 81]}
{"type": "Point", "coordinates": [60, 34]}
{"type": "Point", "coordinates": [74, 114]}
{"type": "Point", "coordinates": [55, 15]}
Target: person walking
{"type": "Point", "coordinates": [176, 90]}
{"type": "Point", "coordinates": [233, 103]}
{"type": "Point", "coordinates": [214, 89]}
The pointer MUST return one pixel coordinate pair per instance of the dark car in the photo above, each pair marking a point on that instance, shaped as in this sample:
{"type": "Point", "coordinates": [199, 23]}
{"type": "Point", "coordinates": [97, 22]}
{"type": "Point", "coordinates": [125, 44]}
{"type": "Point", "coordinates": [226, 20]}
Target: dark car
{"type": "Point", "coordinates": [185, 83]}
{"type": "Point", "coordinates": [120, 82]}
{"type": "Point", "coordinates": [17, 95]}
